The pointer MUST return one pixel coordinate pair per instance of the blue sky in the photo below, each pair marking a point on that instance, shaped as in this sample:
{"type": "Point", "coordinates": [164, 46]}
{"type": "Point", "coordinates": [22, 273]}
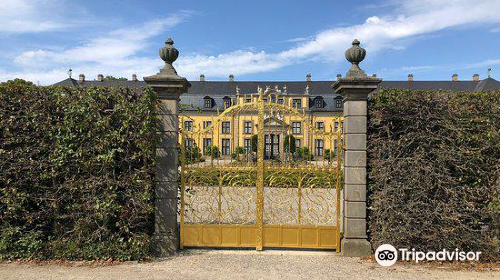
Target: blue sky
{"type": "Point", "coordinates": [254, 40]}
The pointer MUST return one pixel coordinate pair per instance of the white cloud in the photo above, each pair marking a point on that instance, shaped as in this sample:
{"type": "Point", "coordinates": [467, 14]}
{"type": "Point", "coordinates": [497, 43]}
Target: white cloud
{"type": "Point", "coordinates": [28, 16]}
{"type": "Point", "coordinates": [489, 62]}
{"type": "Point", "coordinates": [401, 71]}
{"type": "Point", "coordinates": [117, 53]}
{"type": "Point", "coordinates": [412, 18]}
{"type": "Point", "coordinates": [116, 46]}
{"type": "Point", "coordinates": [114, 54]}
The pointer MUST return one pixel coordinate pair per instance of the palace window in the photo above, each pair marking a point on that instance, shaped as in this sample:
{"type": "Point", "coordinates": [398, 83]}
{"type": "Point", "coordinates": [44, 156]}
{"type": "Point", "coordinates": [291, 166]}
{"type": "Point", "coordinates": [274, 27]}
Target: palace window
{"type": "Point", "coordinates": [273, 98]}
{"type": "Point", "coordinates": [247, 144]}
{"type": "Point", "coordinates": [207, 142]}
{"type": "Point", "coordinates": [280, 101]}
{"type": "Point", "coordinates": [248, 100]}
{"type": "Point", "coordinates": [226, 127]}
{"type": "Point", "coordinates": [207, 102]}
{"type": "Point", "coordinates": [207, 124]}
{"type": "Point", "coordinates": [338, 102]}
{"type": "Point", "coordinates": [226, 147]}
{"type": "Point", "coordinates": [227, 102]}
{"type": "Point", "coordinates": [296, 127]}
{"type": "Point", "coordinates": [188, 125]}
{"type": "Point", "coordinates": [320, 126]}
{"type": "Point", "coordinates": [318, 102]}
{"type": "Point", "coordinates": [319, 146]}
{"type": "Point", "coordinates": [297, 103]}
{"type": "Point", "coordinates": [247, 127]}
{"type": "Point", "coordinates": [188, 143]}
{"type": "Point", "coordinates": [298, 143]}
{"type": "Point", "coordinates": [335, 146]}
{"type": "Point", "coordinates": [336, 126]}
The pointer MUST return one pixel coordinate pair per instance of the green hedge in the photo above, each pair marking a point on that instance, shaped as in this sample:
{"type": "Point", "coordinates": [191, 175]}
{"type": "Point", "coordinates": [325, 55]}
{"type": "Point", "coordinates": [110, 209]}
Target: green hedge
{"type": "Point", "coordinates": [76, 172]}
{"type": "Point", "coordinates": [434, 165]}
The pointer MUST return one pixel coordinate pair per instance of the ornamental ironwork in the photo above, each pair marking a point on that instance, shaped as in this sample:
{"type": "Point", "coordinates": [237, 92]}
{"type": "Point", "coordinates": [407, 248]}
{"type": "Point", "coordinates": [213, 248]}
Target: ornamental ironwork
{"type": "Point", "coordinates": [268, 194]}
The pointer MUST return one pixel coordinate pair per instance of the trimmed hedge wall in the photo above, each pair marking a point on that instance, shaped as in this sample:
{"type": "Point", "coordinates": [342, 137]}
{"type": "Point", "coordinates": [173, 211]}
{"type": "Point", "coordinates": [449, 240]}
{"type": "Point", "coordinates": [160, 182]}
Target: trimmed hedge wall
{"type": "Point", "coordinates": [76, 172]}
{"type": "Point", "coordinates": [434, 165]}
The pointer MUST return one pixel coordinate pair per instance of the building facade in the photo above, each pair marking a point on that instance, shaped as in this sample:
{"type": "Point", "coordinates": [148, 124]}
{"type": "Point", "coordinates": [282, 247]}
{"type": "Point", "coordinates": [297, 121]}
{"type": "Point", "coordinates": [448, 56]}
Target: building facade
{"type": "Point", "coordinates": [321, 108]}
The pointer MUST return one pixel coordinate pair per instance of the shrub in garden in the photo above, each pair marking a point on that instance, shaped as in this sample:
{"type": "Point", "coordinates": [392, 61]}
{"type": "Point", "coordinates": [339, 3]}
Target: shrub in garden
{"type": "Point", "coordinates": [434, 170]}
{"type": "Point", "coordinates": [303, 153]}
{"type": "Point", "coordinates": [76, 172]}
{"type": "Point", "coordinates": [212, 151]}
{"type": "Point", "coordinates": [192, 154]}
{"type": "Point", "coordinates": [290, 144]}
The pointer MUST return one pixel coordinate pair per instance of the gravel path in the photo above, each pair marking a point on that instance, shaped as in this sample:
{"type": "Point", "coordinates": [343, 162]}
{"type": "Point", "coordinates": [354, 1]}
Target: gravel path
{"type": "Point", "coordinates": [242, 264]}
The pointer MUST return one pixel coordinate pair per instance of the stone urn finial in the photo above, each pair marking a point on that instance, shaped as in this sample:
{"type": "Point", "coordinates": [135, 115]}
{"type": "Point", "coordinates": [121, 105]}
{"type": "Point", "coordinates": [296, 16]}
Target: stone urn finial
{"type": "Point", "coordinates": [168, 54]}
{"type": "Point", "coordinates": [355, 55]}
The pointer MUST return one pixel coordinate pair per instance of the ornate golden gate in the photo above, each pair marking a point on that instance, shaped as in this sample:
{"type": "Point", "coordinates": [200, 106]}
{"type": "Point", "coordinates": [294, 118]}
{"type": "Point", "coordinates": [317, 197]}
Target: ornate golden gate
{"type": "Point", "coordinates": [266, 194]}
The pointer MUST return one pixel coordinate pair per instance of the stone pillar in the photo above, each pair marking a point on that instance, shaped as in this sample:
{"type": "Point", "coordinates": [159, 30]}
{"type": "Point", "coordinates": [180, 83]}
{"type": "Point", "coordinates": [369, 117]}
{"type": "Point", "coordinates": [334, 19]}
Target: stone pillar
{"type": "Point", "coordinates": [168, 86]}
{"type": "Point", "coordinates": [355, 88]}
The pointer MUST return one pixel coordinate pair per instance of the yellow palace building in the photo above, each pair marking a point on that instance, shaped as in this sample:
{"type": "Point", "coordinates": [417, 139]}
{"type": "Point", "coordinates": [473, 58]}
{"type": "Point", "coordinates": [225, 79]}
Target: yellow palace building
{"type": "Point", "coordinates": [208, 104]}
{"type": "Point", "coordinates": [319, 105]}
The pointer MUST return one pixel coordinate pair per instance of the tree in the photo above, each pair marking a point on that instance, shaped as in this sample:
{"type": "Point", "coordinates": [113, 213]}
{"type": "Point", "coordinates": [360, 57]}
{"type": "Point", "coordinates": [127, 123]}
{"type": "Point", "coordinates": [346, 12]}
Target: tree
{"type": "Point", "coordinates": [240, 150]}
{"type": "Point", "coordinates": [192, 154]}
{"type": "Point", "coordinates": [212, 151]}
{"type": "Point", "coordinates": [290, 144]}
{"type": "Point", "coordinates": [328, 155]}
{"type": "Point", "coordinates": [255, 140]}
{"type": "Point", "coordinates": [111, 78]}
{"type": "Point", "coordinates": [304, 154]}
{"type": "Point", "coordinates": [17, 82]}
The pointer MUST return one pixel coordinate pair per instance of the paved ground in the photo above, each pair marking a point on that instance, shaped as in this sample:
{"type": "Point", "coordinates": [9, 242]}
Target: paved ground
{"type": "Point", "coordinates": [242, 264]}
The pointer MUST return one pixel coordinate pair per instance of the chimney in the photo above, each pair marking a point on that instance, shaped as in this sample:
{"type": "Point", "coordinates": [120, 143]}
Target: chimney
{"type": "Point", "coordinates": [231, 78]}
{"type": "Point", "coordinates": [475, 78]}
{"type": "Point", "coordinates": [134, 78]}
{"type": "Point", "coordinates": [410, 77]}
{"type": "Point", "coordinates": [339, 76]}
{"type": "Point", "coordinates": [81, 78]}
{"type": "Point", "coordinates": [202, 78]}
{"type": "Point", "coordinates": [308, 77]}
{"type": "Point", "coordinates": [454, 77]}
{"type": "Point", "coordinates": [100, 77]}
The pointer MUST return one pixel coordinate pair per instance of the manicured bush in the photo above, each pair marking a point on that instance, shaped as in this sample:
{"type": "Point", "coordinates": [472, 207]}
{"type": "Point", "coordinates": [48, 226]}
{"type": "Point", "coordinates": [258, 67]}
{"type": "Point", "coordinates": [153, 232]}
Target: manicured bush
{"type": "Point", "coordinates": [76, 172]}
{"type": "Point", "coordinates": [290, 145]}
{"type": "Point", "coordinates": [212, 151]}
{"type": "Point", "coordinates": [434, 170]}
{"type": "Point", "coordinates": [192, 154]}
{"type": "Point", "coordinates": [254, 142]}
{"type": "Point", "coordinates": [240, 150]}
{"type": "Point", "coordinates": [303, 153]}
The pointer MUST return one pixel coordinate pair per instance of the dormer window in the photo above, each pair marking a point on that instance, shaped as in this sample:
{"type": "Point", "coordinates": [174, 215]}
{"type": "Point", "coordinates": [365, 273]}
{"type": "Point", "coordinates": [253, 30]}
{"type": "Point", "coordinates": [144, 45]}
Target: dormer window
{"type": "Point", "coordinates": [338, 102]}
{"type": "Point", "coordinates": [318, 102]}
{"type": "Point", "coordinates": [227, 102]}
{"type": "Point", "coordinates": [207, 102]}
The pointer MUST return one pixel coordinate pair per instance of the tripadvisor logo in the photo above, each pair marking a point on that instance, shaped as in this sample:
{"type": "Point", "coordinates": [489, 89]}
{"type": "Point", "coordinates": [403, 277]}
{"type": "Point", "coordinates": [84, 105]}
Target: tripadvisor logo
{"type": "Point", "coordinates": [387, 255]}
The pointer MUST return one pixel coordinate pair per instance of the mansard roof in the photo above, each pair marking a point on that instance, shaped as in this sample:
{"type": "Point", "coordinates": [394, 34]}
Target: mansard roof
{"type": "Point", "coordinates": [217, 90]}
